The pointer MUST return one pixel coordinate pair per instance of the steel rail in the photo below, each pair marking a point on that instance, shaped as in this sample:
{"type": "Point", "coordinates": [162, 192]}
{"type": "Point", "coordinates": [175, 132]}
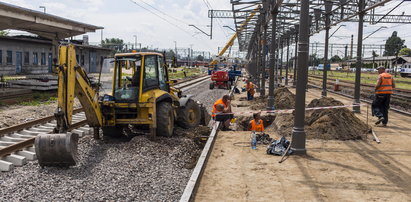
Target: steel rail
{"type": "Point", "coordinates": [28, 142]}
{"type": "Point", "coordinates": [363, 100]}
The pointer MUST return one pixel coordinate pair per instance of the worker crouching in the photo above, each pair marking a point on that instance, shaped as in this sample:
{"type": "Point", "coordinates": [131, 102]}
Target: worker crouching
{"type": "Point", "coordinates": [383, 91]}
{"type": "Point", "coordinates": [222, 112]}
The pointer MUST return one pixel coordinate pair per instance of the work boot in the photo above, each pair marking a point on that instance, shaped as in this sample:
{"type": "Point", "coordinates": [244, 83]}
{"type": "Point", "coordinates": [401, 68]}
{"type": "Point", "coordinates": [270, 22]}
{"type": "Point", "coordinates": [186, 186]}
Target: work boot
{"type": "Point", "coordinates": [380, 119]}
{"type": "Point", "coordinates": [384, 125]}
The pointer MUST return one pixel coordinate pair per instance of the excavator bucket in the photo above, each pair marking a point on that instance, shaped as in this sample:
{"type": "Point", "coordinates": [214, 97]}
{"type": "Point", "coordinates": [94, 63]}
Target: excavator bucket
{"type": "Point", "coordinates": [56, 149]}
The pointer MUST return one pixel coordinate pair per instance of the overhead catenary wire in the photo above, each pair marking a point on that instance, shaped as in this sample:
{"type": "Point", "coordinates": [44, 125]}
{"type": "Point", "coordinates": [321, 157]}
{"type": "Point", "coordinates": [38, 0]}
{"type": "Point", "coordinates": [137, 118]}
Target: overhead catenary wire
{"type": "Point", "coordinates": [171, 23]}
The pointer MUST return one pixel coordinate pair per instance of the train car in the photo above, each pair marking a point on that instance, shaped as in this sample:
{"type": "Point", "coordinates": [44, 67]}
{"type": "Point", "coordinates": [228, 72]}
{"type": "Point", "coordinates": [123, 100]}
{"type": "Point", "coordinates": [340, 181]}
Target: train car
{"type": "Point", "coordinates": [405, 70]}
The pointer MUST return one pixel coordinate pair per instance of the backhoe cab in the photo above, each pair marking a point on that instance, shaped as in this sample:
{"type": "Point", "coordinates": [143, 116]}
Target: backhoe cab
{"type": "Point", "coordinates": [142, 98]}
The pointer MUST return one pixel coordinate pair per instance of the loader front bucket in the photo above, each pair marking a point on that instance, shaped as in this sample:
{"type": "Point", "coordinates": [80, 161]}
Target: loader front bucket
{"type": "Point", "coordinates": [56, 149]}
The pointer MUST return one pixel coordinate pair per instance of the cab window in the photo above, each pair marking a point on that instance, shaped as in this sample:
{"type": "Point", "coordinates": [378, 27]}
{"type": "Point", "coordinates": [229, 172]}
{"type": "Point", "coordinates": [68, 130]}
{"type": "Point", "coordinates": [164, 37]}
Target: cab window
{"type": "Point", "coordinates": [150, 72]}
{"type": "Point", "coordinates": [162, 74]}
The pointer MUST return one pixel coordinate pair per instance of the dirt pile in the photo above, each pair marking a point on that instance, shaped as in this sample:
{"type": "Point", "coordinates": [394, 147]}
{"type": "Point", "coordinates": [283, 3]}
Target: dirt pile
{"type": "Point", "coordinates": [244, 121]}
{"type": "Point", "coordinates": [327, 124]}
{"type": "Point", "coordinates": [283, 99]}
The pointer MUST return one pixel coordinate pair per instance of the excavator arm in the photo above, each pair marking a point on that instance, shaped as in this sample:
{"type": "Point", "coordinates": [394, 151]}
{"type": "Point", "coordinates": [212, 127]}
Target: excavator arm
{"type": "Point", "coordinates": [73, 82]}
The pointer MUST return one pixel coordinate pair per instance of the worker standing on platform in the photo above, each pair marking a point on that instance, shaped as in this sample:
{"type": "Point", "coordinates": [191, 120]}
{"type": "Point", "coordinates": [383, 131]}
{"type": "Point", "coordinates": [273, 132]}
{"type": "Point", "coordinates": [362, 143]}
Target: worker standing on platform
{"type": "Point", "coordinates": [383, 91]}
{"type": "Point", "coordinates": [256, 124]}
{"type": "Point", "coordinates": [222, 107]}
{"type": "Point", "coordinates": [250, 88]}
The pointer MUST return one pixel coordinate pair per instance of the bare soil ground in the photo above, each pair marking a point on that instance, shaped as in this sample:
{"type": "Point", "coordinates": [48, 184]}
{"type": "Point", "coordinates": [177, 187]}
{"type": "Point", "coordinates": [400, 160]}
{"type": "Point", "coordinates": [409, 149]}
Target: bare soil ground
{"type": "Point", "coordinates": [332, 170]}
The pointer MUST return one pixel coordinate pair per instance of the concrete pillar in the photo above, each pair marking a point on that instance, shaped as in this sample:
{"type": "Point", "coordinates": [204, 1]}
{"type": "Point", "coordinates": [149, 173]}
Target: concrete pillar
{"type": "Point", "coordinates": [299, 136]}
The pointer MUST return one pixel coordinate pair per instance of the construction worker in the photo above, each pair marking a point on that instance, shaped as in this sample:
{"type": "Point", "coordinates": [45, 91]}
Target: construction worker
{"type": "Point", "coordinates": [256, 124]}
{"type": "Point", "coordinates": [223, 106]}
{"type": "Point", "coordinates": [250, 88]}
{"type": "Point", "coordinates": [383, 91]}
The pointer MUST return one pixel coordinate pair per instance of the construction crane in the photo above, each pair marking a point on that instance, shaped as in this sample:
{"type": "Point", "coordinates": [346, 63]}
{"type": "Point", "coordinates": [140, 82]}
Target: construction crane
{"type": "Point", "coordinates": [232, 39]}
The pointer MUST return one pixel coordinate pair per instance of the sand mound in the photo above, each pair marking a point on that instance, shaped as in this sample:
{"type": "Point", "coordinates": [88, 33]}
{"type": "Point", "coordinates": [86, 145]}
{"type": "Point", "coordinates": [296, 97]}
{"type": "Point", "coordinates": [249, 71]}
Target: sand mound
{"type": "Point", "coordinates": [283, 99]}
{"type": "Point", "coordinates": [333, 124]}
{"type": "Point", "coordinates": [327, 124]}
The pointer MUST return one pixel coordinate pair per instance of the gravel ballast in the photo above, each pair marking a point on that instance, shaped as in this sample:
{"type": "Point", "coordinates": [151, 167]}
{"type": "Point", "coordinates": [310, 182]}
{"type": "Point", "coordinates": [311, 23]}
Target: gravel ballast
{"type": "Point", "coordinates": [141, 169]}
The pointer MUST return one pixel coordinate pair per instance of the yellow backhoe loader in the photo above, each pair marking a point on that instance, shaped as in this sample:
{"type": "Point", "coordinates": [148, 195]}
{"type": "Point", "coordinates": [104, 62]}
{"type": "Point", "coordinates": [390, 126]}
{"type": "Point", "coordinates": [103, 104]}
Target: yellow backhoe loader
{"type": "Point", "coordinates": [141, 97]}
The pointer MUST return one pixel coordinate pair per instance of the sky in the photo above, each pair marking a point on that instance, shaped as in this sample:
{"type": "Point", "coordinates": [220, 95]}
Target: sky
{"type": "Point", "coordinates": [162, 23]}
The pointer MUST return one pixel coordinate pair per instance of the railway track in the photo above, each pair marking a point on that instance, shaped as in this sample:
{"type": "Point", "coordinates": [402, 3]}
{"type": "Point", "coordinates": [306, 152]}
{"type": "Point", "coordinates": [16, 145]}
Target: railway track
{"type": "Point", "coordinates": [16, 142]}
{"type": "Point", "coordinates": [362, 99]}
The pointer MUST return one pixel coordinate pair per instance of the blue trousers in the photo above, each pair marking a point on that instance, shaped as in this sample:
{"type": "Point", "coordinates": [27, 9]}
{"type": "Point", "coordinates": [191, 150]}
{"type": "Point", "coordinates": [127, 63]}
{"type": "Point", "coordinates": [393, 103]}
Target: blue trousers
{"type": "Point", "coordinates": [380, 106]}
{"type": "Point", "coordinates": [249, 96]}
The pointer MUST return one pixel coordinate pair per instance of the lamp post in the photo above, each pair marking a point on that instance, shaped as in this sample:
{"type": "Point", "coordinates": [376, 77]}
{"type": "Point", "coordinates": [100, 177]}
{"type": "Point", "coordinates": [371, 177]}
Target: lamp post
{"type": "Point", "coordinates": [44, 8]}
{"type": "Point", "coordinates": [135, 41]}
{"type": "Point", "coordinates": [175, 48]}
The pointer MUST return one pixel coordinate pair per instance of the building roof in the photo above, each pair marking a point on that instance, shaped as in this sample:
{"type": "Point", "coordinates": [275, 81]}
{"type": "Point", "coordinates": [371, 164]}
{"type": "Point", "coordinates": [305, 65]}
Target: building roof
{"type": "Point", "coordinates": [42, 24]}
{"type": "Point", "coordinates": [76, 43]}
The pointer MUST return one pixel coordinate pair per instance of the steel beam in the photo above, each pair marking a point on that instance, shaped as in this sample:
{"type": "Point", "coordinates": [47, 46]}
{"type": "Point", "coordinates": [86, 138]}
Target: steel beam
{"type": "Point", "coordinates": [356, 109]}
{"type": "Point", "coordinates": [298, 135]}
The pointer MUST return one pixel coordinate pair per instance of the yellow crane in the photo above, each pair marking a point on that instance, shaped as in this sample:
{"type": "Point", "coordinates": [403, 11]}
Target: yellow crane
{"type": "Point", "coordinates": [232, 39]}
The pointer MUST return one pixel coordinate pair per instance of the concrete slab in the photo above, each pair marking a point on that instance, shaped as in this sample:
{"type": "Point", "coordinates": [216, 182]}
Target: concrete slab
{"type": "Point", "coordinates": [6, 166]}
{"type": "Point", "coordinates": [17, 160]}
{"type": "Point", "coordinates": [29, 132]}
{"type": "Point", "coordinates": [32, 149]}
{"type": "Point", "coordinates": [79, 132]}
{"type": "Point", "coordinates": [31, 156]}
{"type": "Point", "coordinates": [4, 143]}
{"type": "Point", "coordinates": [17, 135]}
{"type": "Point", "coordinates": [11, 139]}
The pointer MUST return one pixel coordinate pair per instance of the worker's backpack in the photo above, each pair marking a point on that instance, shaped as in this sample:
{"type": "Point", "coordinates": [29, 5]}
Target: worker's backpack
{"type": "Point", "coordinates": [278, 147]}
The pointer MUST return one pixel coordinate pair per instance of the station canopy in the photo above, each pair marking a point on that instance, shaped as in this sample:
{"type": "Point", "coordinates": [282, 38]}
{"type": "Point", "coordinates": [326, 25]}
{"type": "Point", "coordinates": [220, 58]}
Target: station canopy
{"type": "Point", "coordinates": [41, 24]}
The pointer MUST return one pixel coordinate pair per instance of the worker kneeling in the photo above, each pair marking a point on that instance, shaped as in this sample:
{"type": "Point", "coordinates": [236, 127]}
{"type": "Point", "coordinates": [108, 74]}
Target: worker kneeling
{"type": "Point", "coordinates": [222, 111]}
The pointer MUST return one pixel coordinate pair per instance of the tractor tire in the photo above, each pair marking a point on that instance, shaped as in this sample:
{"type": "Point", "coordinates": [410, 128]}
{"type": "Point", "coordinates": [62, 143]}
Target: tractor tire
{"type": "Point", "coordinates": [165, 119]}
{"type": "Point", "coordinates": [189, 116]}
{"type": "Point", "coordinates": [211, 86]}
{"type": "Point", "coordinates": [113, 131]}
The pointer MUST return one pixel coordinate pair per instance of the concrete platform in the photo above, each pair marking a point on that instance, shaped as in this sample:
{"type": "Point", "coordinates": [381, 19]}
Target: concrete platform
{"type": "Point", "coordinates": [331, 170]}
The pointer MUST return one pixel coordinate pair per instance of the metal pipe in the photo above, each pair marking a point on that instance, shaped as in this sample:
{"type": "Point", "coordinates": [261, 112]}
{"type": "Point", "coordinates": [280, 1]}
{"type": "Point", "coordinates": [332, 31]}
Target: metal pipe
{"type": "Point", "coordinates": [356, 109]}
{"type": "Point", "coordinates": [295, 60]}
{"type": "Point", "coordinates": [287, 64]}
{"type": "Point", "coordinates": [299, 136]}
{"type": "Point", "coordinates": [264, 62]}
{"type": "Point", "coordinates": [270, 103]}
{"type": "Point", "coordinates": [281, 60]}
{"type": "Point", "coordinates": [327, 32]}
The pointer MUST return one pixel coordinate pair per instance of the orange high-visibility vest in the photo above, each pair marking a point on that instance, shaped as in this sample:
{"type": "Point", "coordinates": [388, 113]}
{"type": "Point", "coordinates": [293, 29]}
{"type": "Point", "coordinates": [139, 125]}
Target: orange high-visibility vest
{"type": "Point", "coordinates": [250, 88]}
{"type": "Point", "coordinates": [386, 84]}
{"type": "Point", "coordinates": [257, 127]}
{"type": "Point", "coordinates": [214, 111]}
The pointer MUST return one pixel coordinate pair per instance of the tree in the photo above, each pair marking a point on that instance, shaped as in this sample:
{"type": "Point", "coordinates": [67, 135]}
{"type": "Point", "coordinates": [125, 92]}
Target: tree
{"type": "Point", "coordinates": [336, 58]}
{"type": "Point", "coordinates": [4, 33]}
{"type": "Point", "coordinates": [405, 52]}
{"type": "Point", "coordinates": [393, 45]}
{"type": "Point", "coordinates": [113, 43]}
{"type": "Point", "coordinates": [200, 58]}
